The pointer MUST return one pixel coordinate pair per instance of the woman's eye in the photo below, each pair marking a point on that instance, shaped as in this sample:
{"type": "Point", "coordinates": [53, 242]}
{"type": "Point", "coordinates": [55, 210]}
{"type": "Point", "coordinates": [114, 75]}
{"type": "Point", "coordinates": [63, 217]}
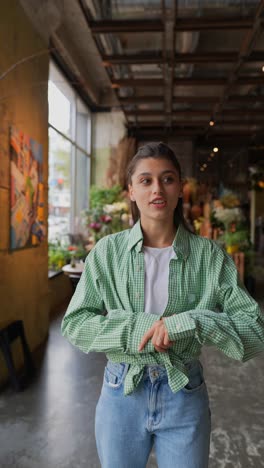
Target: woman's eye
{"type": "Point", "coordinates": [168, 180]}
{"type": "Point", "coordinates": [145, 181]}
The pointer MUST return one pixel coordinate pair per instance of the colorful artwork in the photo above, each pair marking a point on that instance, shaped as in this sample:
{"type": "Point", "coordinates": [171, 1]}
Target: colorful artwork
{"type": "Point", "coordinates": [27, 196]}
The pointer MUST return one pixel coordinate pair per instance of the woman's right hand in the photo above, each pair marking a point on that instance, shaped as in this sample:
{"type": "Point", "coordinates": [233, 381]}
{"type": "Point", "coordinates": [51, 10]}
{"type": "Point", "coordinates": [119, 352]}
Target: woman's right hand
{"type": "Point", "coordinates": [159, 337]}
{"type": "Point", "coordinates": [163, 345]}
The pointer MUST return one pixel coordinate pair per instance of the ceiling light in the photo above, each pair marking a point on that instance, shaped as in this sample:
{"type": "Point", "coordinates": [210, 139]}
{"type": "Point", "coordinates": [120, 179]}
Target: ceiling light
{"type": "Point", "coordinates": [212, 154]}
{"type": "Point", "coordinates": [201, 169]}
{"type": "Point", "coordinates": [215, 150]}
{"type": "Point", "coordinates": [263, 68]}
{"type": "Point", "coordinates": [204, 165]}
{"type": "Point", "coordinates": [211, 123]}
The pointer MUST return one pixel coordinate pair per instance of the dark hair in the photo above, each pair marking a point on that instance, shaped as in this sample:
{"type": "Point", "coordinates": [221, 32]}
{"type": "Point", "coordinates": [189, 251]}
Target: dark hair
{"type": "Point", "coordinates": [156, 151]}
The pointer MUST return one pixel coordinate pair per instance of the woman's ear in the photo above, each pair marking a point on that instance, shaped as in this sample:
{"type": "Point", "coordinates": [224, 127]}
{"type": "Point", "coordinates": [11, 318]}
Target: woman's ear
{"type": "Point", "coordinates": [131, 193]}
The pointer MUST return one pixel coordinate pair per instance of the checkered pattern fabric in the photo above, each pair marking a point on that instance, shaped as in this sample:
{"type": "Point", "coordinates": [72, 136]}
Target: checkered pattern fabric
{"type": "Point", "coordinates": [207, 305]}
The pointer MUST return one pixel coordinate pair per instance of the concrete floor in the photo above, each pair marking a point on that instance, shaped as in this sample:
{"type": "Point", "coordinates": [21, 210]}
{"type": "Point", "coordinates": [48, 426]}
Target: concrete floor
{"type": "Point", "coordinates": [51, 423]}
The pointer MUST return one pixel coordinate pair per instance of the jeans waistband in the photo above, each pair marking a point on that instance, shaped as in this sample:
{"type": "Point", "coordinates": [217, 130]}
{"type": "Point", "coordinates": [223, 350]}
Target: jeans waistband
{"type": "Point", "coordinates": [155, 372]}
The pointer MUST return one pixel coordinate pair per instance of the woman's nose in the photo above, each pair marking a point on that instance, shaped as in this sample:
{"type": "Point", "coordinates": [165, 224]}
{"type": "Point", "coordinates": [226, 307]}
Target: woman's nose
{"type": "Point", "coordinates": [157, 187]}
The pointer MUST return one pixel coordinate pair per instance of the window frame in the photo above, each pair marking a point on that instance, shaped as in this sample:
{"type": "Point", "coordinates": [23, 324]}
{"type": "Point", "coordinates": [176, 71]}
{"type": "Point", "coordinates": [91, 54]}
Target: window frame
{"type": "Point", "coordinates": [74, 98]}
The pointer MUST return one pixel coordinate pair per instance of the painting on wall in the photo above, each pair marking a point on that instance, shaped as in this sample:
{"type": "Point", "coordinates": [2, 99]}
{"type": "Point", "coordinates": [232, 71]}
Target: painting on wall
{"type": "Point", "coordinates": [27, 195]}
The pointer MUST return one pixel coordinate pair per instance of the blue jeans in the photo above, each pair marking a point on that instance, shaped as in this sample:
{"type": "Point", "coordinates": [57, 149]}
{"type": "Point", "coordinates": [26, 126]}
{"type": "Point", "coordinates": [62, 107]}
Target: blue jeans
{"type": "Point", "coordinates": [177, 424]}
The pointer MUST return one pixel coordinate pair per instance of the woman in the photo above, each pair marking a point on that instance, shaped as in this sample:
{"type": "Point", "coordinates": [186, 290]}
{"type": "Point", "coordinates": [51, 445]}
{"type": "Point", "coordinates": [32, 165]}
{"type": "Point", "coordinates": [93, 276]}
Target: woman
{"type": "Point", "coordinates": [165, 293]}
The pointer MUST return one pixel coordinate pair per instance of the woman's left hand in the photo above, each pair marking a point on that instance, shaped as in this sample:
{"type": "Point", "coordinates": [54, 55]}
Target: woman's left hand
{"type": "Point", "coordinates": [159, 336]}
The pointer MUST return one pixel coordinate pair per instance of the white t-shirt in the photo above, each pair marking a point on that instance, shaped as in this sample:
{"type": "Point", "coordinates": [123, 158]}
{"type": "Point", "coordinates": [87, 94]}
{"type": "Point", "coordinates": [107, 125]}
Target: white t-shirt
{"type": "Point", "coordinates": [157, 278]}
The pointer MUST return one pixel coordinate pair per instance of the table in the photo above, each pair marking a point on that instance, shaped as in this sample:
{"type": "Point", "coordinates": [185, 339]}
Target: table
{"type": "Point", "coordinates": [70, 270]}
{"type": "Point", "coordinates": [74, 273]}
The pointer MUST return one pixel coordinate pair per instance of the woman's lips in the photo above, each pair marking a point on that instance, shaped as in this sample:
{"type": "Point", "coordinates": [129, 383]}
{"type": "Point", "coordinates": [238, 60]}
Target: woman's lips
{"type": "Point", "coordinates": [159, 204]}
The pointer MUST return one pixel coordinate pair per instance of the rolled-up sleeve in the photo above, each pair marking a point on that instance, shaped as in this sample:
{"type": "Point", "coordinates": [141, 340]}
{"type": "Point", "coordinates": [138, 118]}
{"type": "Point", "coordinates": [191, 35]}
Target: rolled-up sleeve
{"type": "Point", "coordinates": [237, 328]}
{"type": "Point", "coordinates": [87, 326]}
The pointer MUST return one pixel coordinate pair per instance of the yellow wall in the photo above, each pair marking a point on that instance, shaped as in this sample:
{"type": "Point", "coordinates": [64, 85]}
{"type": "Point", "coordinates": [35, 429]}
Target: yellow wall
{"type": "Point", "coordinates": [24, 287]}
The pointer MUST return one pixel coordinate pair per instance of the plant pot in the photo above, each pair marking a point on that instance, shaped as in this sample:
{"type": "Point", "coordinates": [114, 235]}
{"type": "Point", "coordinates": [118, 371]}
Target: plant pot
{"type": "Point", "coordinates": [231, 249]}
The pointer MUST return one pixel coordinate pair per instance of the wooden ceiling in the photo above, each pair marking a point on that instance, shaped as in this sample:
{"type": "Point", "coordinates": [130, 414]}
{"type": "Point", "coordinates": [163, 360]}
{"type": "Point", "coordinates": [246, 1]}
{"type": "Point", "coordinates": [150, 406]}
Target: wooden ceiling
{"type": "Point", "coordinates": [181, 70]}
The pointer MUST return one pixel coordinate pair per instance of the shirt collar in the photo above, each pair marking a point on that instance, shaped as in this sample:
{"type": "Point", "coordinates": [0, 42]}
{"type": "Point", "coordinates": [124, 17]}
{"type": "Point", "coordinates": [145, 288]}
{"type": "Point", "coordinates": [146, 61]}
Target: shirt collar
{"type": "Point", "coordinates": [180, 242]}
{"type": "Point", "coordinates": [135, 237]}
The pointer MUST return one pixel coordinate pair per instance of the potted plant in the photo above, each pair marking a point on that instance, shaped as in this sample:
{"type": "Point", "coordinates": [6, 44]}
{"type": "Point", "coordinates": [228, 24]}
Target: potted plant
{"type": "Point", "coordinates": [60, 255]}
{"type": "Point", "coordinates": [108, 213]}
{"type": "Point", "coordinates": [235, 239]}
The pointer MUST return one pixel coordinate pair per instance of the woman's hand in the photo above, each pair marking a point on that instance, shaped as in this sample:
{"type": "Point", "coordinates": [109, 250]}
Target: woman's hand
{"type": "Point", "coordinates": [159, 336]}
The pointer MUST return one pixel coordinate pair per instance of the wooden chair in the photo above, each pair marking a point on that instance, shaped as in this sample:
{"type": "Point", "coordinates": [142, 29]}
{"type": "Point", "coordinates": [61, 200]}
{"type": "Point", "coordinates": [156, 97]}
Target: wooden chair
{"type": "Point", "coordinates": [9, 331]}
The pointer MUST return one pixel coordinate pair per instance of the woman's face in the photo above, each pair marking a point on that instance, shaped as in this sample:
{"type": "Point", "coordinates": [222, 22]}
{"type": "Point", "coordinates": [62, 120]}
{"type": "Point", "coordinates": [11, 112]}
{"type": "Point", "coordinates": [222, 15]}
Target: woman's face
{"type": "Point", "coordinates": [155, 187]}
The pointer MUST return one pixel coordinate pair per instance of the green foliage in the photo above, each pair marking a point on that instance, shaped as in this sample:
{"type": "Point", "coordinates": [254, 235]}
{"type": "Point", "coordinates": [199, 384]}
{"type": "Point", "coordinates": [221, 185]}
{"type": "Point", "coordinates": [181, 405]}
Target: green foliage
{"type": "Point", "coordinates": [104, 196]}
{"type": "Point", "coordinates": [60, 255]}
{"type": "Point", "coordinates": [215, 222]}
{"type": "Point", "coordinates": [239, 238]}
{"type": "Point", "coordinates": [105, 220]}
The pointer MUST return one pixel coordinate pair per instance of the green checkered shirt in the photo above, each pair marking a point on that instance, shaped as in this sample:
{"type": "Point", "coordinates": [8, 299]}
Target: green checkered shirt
{"type": "Point", "coordinates": [207, 305]}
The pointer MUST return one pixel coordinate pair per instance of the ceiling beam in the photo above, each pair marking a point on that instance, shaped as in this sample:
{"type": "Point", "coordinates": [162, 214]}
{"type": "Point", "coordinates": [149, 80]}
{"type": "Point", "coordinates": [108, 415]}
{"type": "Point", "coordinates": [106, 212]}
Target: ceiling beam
{"type": "Point", "coordinates": [246, 98]}
{"type": "Point", "coordinates": [182, 24]}
{"type": "Point", "coordinates": [197, 112]}
{"type": "Point", "coordinates": [86, 95]}
{"type": "Point", "coordinates": [156, 82]}
{"type": "Point", "coordinates": [202, 124]}
{"type": "Point", "coordinates": [163, 134]}
{"type": "Point", "coordinates": [126, 26]}
{"type": "Point", "coordinates": [222, 123]}
{"type": "Point", "coordinates": [157, 58]}
{"type": "Point", "coordinates": [141, 59]}
{"type": "Point", "coordinates": [88, 17]}
{"type": "Point", "coordinates": [189, 99]}
{"type": "Point", "coordinates": [245, 50]}
{"type": "Point", "coordinates": [169, 77]}
{"type": "Point", "coordinates": [178, 131]}
{"type": "Point", "coordinates": [140, 100]}
{"type": "Point", "coordinates": [134, 82]}
{"type": "Point", "coordinates": [162, 128]}
{"type": "Point", "coordinates": [213, 22]}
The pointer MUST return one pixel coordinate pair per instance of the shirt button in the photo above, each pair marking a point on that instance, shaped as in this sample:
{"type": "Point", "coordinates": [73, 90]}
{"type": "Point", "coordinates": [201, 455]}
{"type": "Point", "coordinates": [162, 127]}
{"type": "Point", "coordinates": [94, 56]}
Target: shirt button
{"type": "Point", "coordinates": [137, 295]}
{"type": "Point", "coordinates": [178, 327]}
{"type": "Point", "coordinates": [138, 268]}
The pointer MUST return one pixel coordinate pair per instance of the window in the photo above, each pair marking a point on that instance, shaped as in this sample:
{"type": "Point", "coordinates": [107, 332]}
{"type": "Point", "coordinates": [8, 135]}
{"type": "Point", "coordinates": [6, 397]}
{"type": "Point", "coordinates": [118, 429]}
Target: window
{"type": "Point", "coordinates": [69, 157]}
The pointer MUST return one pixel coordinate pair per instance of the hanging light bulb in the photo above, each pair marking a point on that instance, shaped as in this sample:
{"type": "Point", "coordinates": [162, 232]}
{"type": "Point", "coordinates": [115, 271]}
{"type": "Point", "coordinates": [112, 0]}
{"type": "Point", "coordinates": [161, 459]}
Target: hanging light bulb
{"type": "Point", "coordinates": [211, 123]}
{"type": "Point", "coordinates": [215, 150]}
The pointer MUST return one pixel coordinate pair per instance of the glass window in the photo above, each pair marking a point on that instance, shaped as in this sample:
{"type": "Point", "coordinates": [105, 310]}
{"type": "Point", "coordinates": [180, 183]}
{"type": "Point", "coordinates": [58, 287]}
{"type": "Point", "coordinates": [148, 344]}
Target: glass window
{"type": "Point", "coordinates": [61, 102]}
{"type": "Point", "coordinates": [83, 126]}
{"type": "Point", "coordinates": [82, 174]}
{"type": "Point", "coordinates": [59, 185]}
{"type": "Point", "coordinates": [69, 157]}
